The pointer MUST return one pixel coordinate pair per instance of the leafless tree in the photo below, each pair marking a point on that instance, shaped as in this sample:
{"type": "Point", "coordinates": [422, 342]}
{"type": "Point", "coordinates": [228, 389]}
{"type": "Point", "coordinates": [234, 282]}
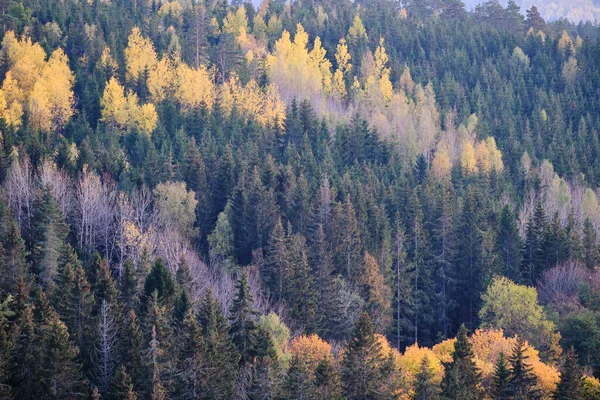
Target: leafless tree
{"type": "Point", "coordinates": [59, 184]}
{"type": "Point", "coordinates": [106, 348]}
{"type": "Point", "coordinates": [19, 189]}
{"type": "Point", "coordinates": [88, 194]}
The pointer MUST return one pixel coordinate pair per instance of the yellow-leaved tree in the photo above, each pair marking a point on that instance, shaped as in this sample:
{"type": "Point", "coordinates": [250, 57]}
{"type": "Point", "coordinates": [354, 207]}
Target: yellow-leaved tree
{"type": "Point", "coordinates": [122, 112]}
{"type": "Point", "coordinates": [42, 88]}
{"type": "Point", "coordinates": [139, 55]}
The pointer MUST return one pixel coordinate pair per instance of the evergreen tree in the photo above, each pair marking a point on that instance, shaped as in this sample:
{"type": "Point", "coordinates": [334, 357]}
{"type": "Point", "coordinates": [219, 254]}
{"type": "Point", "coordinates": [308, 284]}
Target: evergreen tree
{"type": "Point", "coordinates": [23, 367]}
{"type": "Point", "coordinates": [105, 350]}
{"type": "Point", "coordinates": [243, 325]}
{"type": "Point", "coordinates": [346, 240]}
{"type": "Point", "coordinates": [425, 387]}
{"type": "Point", "coordinates": [12, 263]}
{"type": "Point", "coordinates": [298, 381]}
{"type": "Point", "coordinates": [591, 254]}
{"type": "Point", "coordinates": [122, 386]}
{"type": "Point", "coordinates": [275, 269]}
{"type": "Point", "coordinates": [523, 382]}
{"type": "Point", "coordinates": [362, 374]}
{"type": "Point", "coordinates": [190, 359]}
{"type": "Point", "coordinates": [501, 388]}
{"type": "Point", "coordinates": [462, 378]}
{"type": "Point", "coordinates": [570, 386]}
{"type": "Point", "coordinates": [534, 257]}
{"type": "Point", "coordinates": [509, 245]}
{"type": "Point", "coordinates": [264, 369]}
{"type": "Point", "coordinates": [49, 235]}
{"type": "Point", "coordinates": [221, 357]}
{"type": "Point", "coordinates": [159, 280]}
{"type": "Point", "coordinates": [327, 380]}
{"type": "Point", "coordinates": [132, 347]}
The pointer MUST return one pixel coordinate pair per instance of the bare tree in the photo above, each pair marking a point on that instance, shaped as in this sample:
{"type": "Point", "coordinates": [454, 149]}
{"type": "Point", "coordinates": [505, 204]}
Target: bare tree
{"type": "Point", "coordinates": [59, 184]}
{"type": "Point", "coordinates": [105, 348]}
{"type": "Point", "coordinates": [88, 194]}
{"type": "Point", "coordinates": [19, 189]}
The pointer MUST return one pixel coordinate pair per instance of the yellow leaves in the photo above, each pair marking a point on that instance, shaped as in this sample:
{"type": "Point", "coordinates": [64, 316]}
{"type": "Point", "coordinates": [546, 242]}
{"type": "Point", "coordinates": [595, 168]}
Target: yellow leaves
{"type": "Point", "coordinates": [406, 82]}
{"type": "Point", "coordinates": [194, 86]}
{"type": "Point", "coordinates": [342, 57]}
{"type": "Point", "coordinates": [565, 43]}
{"type": "Point", "coordinates": [381, 59]}
{"type": "Point", "coordinates": [357, 31]}
{"type": "Point", "coordinates": [468, 161]}
{"type": "Point", "coordinates": [139, 55]}
{"type": "Point", "coordinates": [410, 363]}
{"type": "Point", "coordinates": [484, 157]}
{"type": "Point", "coordinates": [172, 8]}
{"type": "Point", "coordinates": [310, 349]}
{"type": "Point", "coordinates": [125, 112]}
{"type": "Point", "coordinates": [234, 22]}
{"type": "Point", "coordinates": [495, 155]}
{"type": "Point", "coordinates": [570, 69]}
{"type": "Point", "coordinates": [44, 87]}
{"type": "Point", "coordinates": [161, 79]}
{"type": "Point", "coordinates": [251, 101]}
{"type": "Point", "coordinates": [441, 165]}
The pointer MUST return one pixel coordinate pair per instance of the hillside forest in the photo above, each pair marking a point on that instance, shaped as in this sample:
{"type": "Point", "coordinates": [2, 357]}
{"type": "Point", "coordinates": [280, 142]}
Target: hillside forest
{"type": "Point", "coordinates": [324, 199]}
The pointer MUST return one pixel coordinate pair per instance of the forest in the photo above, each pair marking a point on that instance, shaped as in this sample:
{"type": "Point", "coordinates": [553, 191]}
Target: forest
{"type": "Point", "coordinates": [324, 199]}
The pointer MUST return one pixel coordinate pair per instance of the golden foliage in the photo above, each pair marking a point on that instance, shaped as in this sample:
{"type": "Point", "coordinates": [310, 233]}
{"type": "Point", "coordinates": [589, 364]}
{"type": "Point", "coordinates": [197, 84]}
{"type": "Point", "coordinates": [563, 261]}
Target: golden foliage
{"type": "Point", "coordinates": [441, 165]}
{"type": "Point", "coordinates": [468, 161]}
{"type": "Point", "coordinates": [124, 112]}
{"type": "Point", "coordinates": [311, 349]}
{"type": "Point", "coordinates": [43, 88]}
{"type": "Point", "coordinates": [139, 55]}
{"type": "Point", "coordinates": [194, 86]}
{"type": "Point", "coordinates": [233, 23]}
{"type": "Point", "coordinates": [410, 363]}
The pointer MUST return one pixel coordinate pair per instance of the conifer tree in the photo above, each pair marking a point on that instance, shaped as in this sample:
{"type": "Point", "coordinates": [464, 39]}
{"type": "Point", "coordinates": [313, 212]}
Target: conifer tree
{"type": "Point", "coordinates": [346, 240]}
{"type": "Point", "coordinates": [221, 357]}
{"type": "Point", "coordinates": [501, 388]}
{"type": "Point", "coordinates": [591, 254]}
{"type": "Point", "coordinates": [509, 245]}
{"type": "Point", "coordinates": [362, 374]}
{"type": "Point", "coordinates": [159, 280]}
{"type": "Point", "coordinates": [523, 382]}
{"type": "Point", "coordinates": [13, 265]}
{"type": "Point", "coordinates": [462, 378]}
{"type": "Point", "coordinates": [327, 380]}
{"type": "Point", "coordinates": [155, 386]}
{"type": "Point", "coordinates": [105, 349]}
{"type": "Point", "coordinates": [49, 234]}
{"type": "Point", "coordinates": [190, 358]}
{"type": "Point", "coordinates": [275, 268]}
{"type": "Point", "coordinates": [298, 381]}
{"type": "Point", "coordinates": [533, 260]}
{"type": "Point", "coordinates": [425, 388]}
{"type": "Point", "coordinates": [264, 369]}
{"type": "Point", "coordinates": [243, 326]}
{"type": "Point", "coordinates": [122, 386]}
{"type": "Point", "coordinates": [132, 347]}
{"type": "Point", "coordinates": [570, 386]}
{"type": "Point", "coordinates": [24, 357]}
{"type": "Point", "coordinates": [128, 285]}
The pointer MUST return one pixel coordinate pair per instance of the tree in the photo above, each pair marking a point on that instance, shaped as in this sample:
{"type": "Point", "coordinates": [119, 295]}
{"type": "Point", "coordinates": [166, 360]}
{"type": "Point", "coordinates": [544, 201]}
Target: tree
{"type": "Point", "coordinates": [176, 208]}
{"type": "Point", "coordinates": [376, 293]}
{"type": "Point", "coordinates": [462, 378]}
{"type": "Point", "coordinates": [591, 254]}
{"type": "Point", "coordinates": [570, 386]}
{"type": "Point", "coordinates": [105, 354]}
{"type": "Point", "coordinates": [362, 373]}
{"type": "Point", "coordinates": [243, 326]}
{"type": "Point", "coordinates": [509, 245]}
{"type": "Point", "coordinates": [122, 387]}
{"type": "Point", "coordinates": [523, 383]}
{"type": "Point", "coordinates": [534, 257]}
{"type": "Point", "coordinates": [501, 388]}
{"type": "Point", "coordinates": [535, 20]}
{"type": "Point", "coordinates": [221, 244]}
{"type": "Point", "coordinates": [425, 387]}
{"type": "Point", "coordinates": [50, 233]}
{"type": "Point", "coordinates": [159, 280]}
{"type": "Point", "coordinates": [132, 347]}
{"type": "Point", "coordinates": [190, 358]}
{"type": "Point", "coordinates": [221, 356]}
{"type": "Point", "coordinates": [346, 240]}
{"type": "Point", "coordinates": [515, 309]}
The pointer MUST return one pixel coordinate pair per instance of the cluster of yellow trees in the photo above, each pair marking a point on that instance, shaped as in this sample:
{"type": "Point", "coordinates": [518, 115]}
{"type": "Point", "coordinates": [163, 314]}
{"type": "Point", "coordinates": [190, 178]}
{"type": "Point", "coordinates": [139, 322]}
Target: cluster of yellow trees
{"type": "Point", "coordinates": [34, 84]}
{"type": "Point", "coordinates": [487, 346]}
{"type": "Point", "coordinates": [170, 77]}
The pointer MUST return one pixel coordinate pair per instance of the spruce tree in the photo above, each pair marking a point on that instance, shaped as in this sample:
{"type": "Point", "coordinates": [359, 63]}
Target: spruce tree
{"type": "Point", "coordinates": [591, 253]}
{"type": "Point", "coordinates": [221, 357]}
{"type": "Point", "coordinates": [274, 270]}
{"type": "Point", "coordinates": [122, 386]}
{"type": "Point", "coordinates": [509, 245]}
{"type": "Point", "coordinates": [534, 257]}
{"type": "Point", "coordinates": [190, 359]}
{"type": "Point", "coordinates": [242, 319]}
{"type": "Point", "coordinates": [24, 357]}
{"type": "Point", "coordinates": [501, 388]}
{"type": "Point", "coordinates": [362, 374]}
{"type": "Point", "coordinates": [425, 387]}
{"type": "Point", "coordinates": [13, 264]}
{"type": "Point", "coordinates": [462, 378]}
{"type": "Point", "coordinates": [264, 369]}
{"type": "Point", "coordinates": [523, 382]}
{"type": "Point", "coordinates": [327, 380]}
{"type": "Point", "coordinates": [298, 381]}
{"type": "Point", "coordinates": [570, 386]}
{"type": "Point", "coordinates": [132, 346]}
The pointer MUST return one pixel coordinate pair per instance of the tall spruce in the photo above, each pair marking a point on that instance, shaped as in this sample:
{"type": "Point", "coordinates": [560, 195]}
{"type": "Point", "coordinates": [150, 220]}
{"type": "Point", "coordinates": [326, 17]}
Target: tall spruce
{"type": "Point", "coordinates": [523, 382]}
{"type": "Point", "coordinates": [570, 386]}
{"type": "Point", "coordinates": [242, 319]}
{"type": "Point", "coordinates": [462, 378]}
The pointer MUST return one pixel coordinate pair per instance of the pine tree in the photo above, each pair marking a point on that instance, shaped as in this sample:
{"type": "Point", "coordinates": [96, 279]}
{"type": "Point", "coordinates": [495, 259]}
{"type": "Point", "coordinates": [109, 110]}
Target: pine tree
{"type": "Point", "coordinates": [523, 382]}
{"type": "Point", "coordinates": [221, 357]}
{"type": "Point", "coordinates": [362, 375]}
{"type": "Point", "coordinates": [462, 379]}
{"type": "Point", "coordinates": [501, 388]}
{"type": "Point", "coordinates": [243, 326]}
{"type": "Point", "coordinates": [425, 388]}
{"type": "Point", "coordinates": [570, 386]}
